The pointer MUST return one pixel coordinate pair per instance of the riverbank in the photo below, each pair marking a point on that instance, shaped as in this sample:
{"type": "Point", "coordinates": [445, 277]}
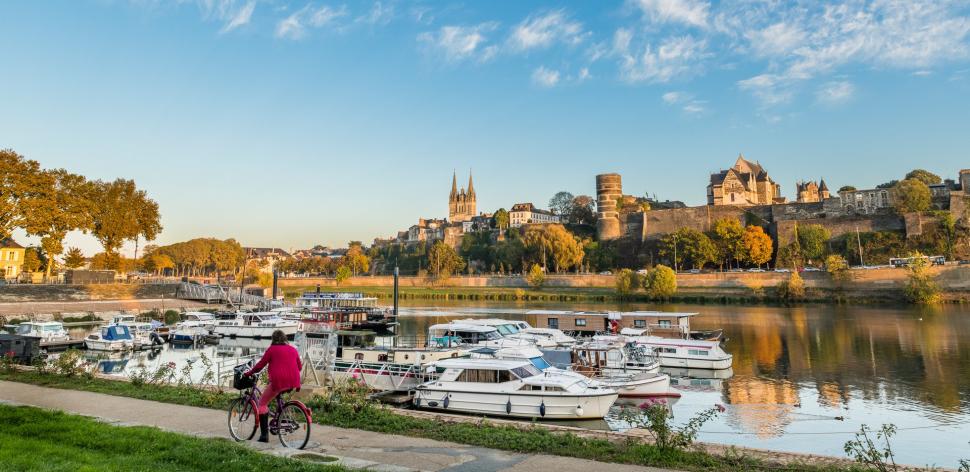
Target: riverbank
{"type": "Point", "coordinates": [516, 437]}
{"type": "Point", "coordinates": [36, 439]}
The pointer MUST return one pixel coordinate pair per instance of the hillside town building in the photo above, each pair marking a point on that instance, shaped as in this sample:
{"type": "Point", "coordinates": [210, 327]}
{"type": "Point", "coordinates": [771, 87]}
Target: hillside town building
{"type": "Point", "coordinates": [462, 204]}
{"type": "Point", "coordinates": [527, 213]}
{"type": "Point", "coordinates": [11, 258]}
{"type": "Point", "coordinates": [811, 192]}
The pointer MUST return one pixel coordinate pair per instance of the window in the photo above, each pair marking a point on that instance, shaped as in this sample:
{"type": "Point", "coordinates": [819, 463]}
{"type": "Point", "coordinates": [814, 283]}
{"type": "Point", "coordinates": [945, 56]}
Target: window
{"type": "Point", "coordinates": [523, 372]}
{"type": "Point", "coordinates": [639, 323]}
{"type": "Point", "coordinates": [554, 389]}
{"type": "Point", "coordinates": [668, 350]}
{"type": "Point", "coordinates": [580, 321]}
{"type": "Point", "coordinates": [664, 323]}
{"type": "Point", "coordinates": [531, 388]}
{"type": "Point", "coordinates": [696, 352]}
{"type": "Point", "coordinates": [540, 363]}
{"type": "Point", "coordinates": [553, 323]}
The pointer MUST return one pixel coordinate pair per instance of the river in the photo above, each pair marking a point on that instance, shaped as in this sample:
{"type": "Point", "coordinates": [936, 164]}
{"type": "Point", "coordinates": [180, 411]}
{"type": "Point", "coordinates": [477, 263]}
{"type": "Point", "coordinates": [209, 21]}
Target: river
{"type": "Point", "coordinates": [804, 378]}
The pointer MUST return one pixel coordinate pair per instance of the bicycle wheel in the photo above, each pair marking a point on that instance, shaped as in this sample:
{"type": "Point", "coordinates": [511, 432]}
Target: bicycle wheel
{"type": "Point", "coordinates": [243, 419]}
{"type": "Point", "coordinates": [294, 425]}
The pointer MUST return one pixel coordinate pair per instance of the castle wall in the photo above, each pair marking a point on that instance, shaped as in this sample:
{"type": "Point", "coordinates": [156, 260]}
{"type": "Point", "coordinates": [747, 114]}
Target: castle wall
{"type": "Point", "coordinates": [784, 230]}
{"type": "Point", "coordinates": [609, 188]}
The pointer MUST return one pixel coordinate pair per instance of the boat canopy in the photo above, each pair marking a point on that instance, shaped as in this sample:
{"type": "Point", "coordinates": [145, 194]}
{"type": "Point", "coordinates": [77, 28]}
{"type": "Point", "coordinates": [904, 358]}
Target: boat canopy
{"type": "Point", "coordinates": [116, 333]}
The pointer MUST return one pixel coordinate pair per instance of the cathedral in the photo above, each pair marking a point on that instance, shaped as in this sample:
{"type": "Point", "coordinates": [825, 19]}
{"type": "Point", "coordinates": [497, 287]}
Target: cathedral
{"type": "Point", "coordinates": [461, 203]}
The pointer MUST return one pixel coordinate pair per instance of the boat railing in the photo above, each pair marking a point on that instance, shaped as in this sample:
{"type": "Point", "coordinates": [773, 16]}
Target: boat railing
{"type": "Point", "coordinates": [397, 373]}
{"type": "Point", "coordinates": [224, 368]}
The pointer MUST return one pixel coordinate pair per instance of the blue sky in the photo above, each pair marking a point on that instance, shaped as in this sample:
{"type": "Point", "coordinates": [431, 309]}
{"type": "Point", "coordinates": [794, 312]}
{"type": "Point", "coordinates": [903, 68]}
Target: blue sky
{"type": "Point", "coordinates": [291, 123]}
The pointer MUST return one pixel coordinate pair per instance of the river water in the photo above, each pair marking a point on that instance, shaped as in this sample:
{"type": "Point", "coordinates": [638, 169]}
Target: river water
{"type": "Point", "coordinates": [804, 379]}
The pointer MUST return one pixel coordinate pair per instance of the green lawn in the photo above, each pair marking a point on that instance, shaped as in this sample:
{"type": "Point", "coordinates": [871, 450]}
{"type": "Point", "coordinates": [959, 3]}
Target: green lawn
{"type": "Point", "coordinates": [36, 439]}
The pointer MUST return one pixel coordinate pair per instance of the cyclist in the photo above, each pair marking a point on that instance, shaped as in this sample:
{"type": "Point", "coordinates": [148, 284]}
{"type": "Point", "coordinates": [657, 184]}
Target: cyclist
{"type": "Point", "coordinates": [285, 366]}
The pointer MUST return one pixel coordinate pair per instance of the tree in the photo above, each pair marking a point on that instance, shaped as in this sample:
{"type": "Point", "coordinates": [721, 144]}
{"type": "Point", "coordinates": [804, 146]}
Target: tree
{"type": "Point", "coordinates": [556, 243]}
{"type": "Point", "coordinates": [444, 261]}
{"type": "Point", "coordinates": [122, 213]}
{"type": "Point", "coordinates": [920, 287]}
{"type": "Point", "coordinates": [910, 196]}
{"type": "Point", "coordinates": [689, 246]}
{"type": "Point", "coordinates": [924, 176]}
{"type": "Point", "coordinates": [501, 218]}
{"type": "Point", "coordinates": [57, 205]}
{"type": "Point", "coordinates": [536, 276]}
{"type": "Point", "coordinates": [660, 282]}
{"type": "Point", "coordinates": [562, 204]}
{"type": "Point", "coordinates": [583, 210]}
{"type": "Point", "coordinates": [947, 234]}
{"type": "Point", "coordinates": [847, 188]}
{"type": "Point", "coordinates": [73, 258]}
{"type": "Point", "coordinates": [757, 245]}
{"type": "Point", "coordinates": [17, 180]}
{"type": "Point", "coordinates": [355, 258]}
{"type": "Point", "coordinates": [625, 281]}
{"type": "Point", "coordinates": [32, 260]}
{"type": "Point", "coordinates": [727, 236]}
{"type": "Point", "coordinates": [812, 241]}
{"type": "Point", "coordinates": [793, 288]}
{"type": "Point", "coordinates": [890, 184]}
{"type": "Point", "coordinates": [343, 273]}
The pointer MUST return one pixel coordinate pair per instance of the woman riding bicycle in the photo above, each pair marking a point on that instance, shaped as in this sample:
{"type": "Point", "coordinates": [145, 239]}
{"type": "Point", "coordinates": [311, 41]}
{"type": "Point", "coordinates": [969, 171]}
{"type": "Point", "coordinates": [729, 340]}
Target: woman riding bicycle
{"type": "Point", "coordinates": [285, 366]}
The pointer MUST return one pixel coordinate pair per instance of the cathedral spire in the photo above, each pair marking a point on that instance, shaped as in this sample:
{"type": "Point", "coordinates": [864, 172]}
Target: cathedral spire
{"type": "Point", "coordinates": [454, 185]}
{"type": "Point", "coordinates": [471, 186]}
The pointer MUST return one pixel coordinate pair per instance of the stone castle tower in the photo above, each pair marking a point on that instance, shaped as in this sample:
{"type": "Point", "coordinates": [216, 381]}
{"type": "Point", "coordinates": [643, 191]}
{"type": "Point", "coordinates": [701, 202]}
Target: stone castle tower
{"type": "Point", "coordinates": [461, 203]}
{"type": "Point", "coordinates": [609, 188]}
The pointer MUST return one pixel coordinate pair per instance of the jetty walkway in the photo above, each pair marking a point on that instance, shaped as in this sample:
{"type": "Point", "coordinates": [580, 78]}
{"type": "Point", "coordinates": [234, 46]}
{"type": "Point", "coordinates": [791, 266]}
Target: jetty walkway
{"type": "Point", "coordinates": [354, 448]}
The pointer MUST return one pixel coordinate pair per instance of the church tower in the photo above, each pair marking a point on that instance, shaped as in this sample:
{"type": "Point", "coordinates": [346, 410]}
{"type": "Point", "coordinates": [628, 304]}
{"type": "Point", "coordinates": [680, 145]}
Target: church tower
{"type": "Point", "coordinates": [462, 205]}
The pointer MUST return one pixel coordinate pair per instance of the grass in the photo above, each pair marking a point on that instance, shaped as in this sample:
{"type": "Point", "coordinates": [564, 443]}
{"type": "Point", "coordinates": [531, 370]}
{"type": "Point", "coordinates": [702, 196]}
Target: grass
{"type": "Point", "coordinates": [484, 434]}
{"type": "Point", "coordinates": [36, 439]}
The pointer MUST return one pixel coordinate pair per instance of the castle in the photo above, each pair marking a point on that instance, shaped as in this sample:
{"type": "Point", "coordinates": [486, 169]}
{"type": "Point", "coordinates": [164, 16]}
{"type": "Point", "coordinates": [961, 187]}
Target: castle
{"type": "Point", "coordinates": [811, 192]}
{"type": "Point", "coordinates": [747, 183]}
{"type": "Point", "coordinates": [461, 203]}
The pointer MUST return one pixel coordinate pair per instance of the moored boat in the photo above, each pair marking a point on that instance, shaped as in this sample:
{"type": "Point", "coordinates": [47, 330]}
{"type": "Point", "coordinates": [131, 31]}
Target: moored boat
{"type": "Point", "coordinates": [255, 325]}
{"type": "Point", "coordinates": [513, 388]}
{"type": "Point", "coordinates": [47, 331]}
{"type": "Point", "coordinates": [682, 353]}
{"type": "Point", "coordinates": [111, 338]}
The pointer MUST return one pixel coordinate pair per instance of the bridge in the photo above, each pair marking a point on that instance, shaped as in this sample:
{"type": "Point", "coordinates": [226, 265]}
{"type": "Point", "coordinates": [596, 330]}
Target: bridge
{"type": "Point", "coordinates": [220, 295]}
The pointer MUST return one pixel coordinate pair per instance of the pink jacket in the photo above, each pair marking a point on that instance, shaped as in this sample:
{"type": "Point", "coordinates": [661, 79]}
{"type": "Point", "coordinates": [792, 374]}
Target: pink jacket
{"type": "Point", "coordinates": [285, 366]}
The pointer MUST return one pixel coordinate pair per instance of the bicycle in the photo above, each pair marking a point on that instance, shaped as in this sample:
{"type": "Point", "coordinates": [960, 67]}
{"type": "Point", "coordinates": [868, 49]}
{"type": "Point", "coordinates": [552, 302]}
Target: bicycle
{"type": "Point", "coordinates": [290, 420]}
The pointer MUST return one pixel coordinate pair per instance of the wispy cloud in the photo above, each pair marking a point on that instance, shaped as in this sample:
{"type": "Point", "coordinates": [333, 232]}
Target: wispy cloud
{"type": "Point", "coordinates": [240, 17]}
{"type": "Point", "coordinates": [688, 12]}
{"type": "Point", "coordinates": [541, 31]}
{"type": "Point", "coordinates": [295, 25]}
{"type": "Point", "coordinates": [544, 77]}
{"type": "Point", "coordinates": [685, 102]}
{"type": "Point", "coordinates": [673, 57]}
{"type": "Point", "coordinates": [379, 14]}
{"type": "Point", "coordinates": [458, 43]}
{"type": "Point", "coordinates": [835, 92]}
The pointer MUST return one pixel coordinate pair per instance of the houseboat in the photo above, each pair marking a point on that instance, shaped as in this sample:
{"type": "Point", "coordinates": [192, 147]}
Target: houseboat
{"type": "Point", "coordinates": [681, 353]}
{"type": "Point", "coordinates": [459, 333]}
{"type": "Point", "coordinates": [351, 309]}
{"type": "Point", "coordinates": [513, 388]}
{"type": "Point", "coordinates": [545, 338]}
{"type": "Point", "coordinates": [255, 325]}
{"type": "Point", "coordinates": [657, 323]}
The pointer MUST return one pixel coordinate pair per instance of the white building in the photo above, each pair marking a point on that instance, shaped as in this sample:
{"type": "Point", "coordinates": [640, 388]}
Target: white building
{"type": "Point", "coordinates": [527, 213]}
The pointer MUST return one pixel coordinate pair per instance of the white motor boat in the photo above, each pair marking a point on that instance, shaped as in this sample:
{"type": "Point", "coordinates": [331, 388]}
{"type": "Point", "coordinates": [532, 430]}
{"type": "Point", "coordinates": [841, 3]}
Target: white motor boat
{"type": "Point", "coordinates": [515, 329]}
{"type": "Point", "coordinates": [255, 325]}
{"type": "Point", "coordinates": [555, 335]}
{"type": "Point", "coordinates": [196, 319]}
{"type": "Point", "coordinates": [682, 353]}
{"type": "Point", "coordinates": [111, 338]}
{"type": "Point", "coordinates": [514, 388]}
{"type": "Point", "coordinates": [47, 331]}
{"type": "Point", "coordinates": [143, 332]}
{"type": "Point", "coordinates": [630, 370]}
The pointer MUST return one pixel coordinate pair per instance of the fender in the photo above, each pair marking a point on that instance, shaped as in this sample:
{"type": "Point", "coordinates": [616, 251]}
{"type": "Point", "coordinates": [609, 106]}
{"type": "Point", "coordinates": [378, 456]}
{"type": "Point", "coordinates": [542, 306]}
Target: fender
{"type": "Point", "coordinates": [300, 405]}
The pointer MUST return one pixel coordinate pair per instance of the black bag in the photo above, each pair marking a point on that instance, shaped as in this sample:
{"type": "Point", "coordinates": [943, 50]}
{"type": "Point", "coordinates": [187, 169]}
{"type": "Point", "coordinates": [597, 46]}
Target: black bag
{"type": "Point", "coordinates": [240, 381]}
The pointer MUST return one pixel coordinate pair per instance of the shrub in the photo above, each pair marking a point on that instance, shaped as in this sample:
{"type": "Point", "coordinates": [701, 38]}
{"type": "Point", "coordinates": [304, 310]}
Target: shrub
{"type": "Point", "coordinates": [655, 418]}
{"type": "Point", "coordinates": [171, 317]}
{"type": "Point", "coordinates": [660, 282]}
{"type": "Point", "coordinates": [863, 448]}
{"type": "Point", "coordinates": [920, 287]}
{"type": "Point", "coordinates": [837, 268]}
{"type": "Point", "coordinates": [536, 276]}
{"type": "Point", "coordinates": [793, 288]}
{"type": "Point", "coordinates": [625, 281]}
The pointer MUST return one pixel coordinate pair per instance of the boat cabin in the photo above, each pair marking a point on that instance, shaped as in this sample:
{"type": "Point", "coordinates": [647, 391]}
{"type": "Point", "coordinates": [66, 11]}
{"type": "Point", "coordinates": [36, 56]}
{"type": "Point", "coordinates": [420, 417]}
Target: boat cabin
{"type": "Point", "coordinates": [198, 316]}
{"type": "Point", "coordinates": [504, 327]}
{"type": "Point", "coordinates": [452, 334]}
{"type": "Point", "coordinates": [41, 329]}
{"type": "Point", "coordinates": [484, 371]}
{"type": "Point", "coordinates": [115, 333]}
{"type": "Point", "coordinates": [658, 323]}
{"type": "Point", "coordinates": [335, 300]}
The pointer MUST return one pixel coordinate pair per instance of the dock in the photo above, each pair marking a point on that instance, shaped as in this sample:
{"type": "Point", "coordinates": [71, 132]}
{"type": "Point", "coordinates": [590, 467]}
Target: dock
{"type": "Point", "coordinates": [62, 345]}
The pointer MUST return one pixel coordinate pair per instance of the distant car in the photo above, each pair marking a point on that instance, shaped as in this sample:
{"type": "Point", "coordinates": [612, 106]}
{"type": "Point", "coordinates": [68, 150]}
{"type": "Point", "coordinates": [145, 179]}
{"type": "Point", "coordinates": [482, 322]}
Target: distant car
{"type": "Point", "coordinates": [812, 269]}
{"type": "Point", "coordinates": [783, 270]}
{"type": "Point", "coordinates": [643, 272]}
{"type": "Point", "coordinates": [735, 270]}
{"type": "Point", "coordinates": [694, 271]}
{"type": "Point", "coordinates": [756, 269]}
{"type": "Point", "coordinates": [606, 272]}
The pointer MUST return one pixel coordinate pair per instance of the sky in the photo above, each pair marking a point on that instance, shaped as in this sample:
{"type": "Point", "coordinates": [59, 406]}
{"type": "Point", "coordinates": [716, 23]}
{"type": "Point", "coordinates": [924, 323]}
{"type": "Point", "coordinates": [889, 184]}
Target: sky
{"type": "Point", "coordinates": [294, 123]}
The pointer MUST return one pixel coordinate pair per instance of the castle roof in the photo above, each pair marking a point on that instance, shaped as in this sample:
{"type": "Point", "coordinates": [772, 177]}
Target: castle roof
{"type": "Point", "coordinates": [822, 186]}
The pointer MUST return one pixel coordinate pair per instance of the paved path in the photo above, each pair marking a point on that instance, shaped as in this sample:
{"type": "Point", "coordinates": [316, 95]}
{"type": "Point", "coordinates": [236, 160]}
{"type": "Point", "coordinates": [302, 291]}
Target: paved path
{"type": "Point", "coordinates": [354, 448]}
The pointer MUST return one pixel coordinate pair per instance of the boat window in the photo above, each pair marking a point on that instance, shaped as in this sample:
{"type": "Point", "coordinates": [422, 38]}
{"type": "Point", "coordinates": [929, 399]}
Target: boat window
{"type": "Point", "coordinates": [580, 321]}
{"type": "Point", "coordinates": [504, 330]}
{"type": "Point", "coordinates": [669, 350]}
{"type": "Point", "coordinates": [696, 352]}
{"type": "Point", "coordinates": [23, 329]}
{"type": "Point", "coordinates": [540, 363]}
{"type": "Point", "coordinates": [479, 376]}
{"type": "Point", "coordinates": [639, 323]}
{"type": "Point", "coordinates": [531, 388]}
{"type": "Point", "coordinates": [553, 323]}
{"type": "Point", "coordinates": [554, 389]}
{"type": "Point", "coordinates": [492, 335]}
{"type": "Point", "coordinates": [664, 323]}
{"type": "Point", "coordinates": [525, 371]}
